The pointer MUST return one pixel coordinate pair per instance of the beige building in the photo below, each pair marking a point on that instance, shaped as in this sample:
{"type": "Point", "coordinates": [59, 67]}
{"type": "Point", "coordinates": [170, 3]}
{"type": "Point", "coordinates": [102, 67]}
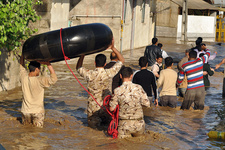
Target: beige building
{"type": "Point", "coordinates": [201, 19]}
{"type": "Point", "coordinates": [131, 21]}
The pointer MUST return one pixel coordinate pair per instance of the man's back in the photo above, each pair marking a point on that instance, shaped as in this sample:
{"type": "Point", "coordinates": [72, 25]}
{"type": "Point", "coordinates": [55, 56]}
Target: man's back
{"type": "Point", "coordinates": [98, 84]}
{"type": "Point", "coordinates": [130, 98]}
{"type": "Point", "coordinates": [167, 80]}
{"type": "Point", "coordinates": [194, 71]}
{"type": "Point", "coordinates": [33, 91]}
{"type": "Point", "coordinates": [151, 52]}
{"type": "Point", "coordinates": [146, 79]}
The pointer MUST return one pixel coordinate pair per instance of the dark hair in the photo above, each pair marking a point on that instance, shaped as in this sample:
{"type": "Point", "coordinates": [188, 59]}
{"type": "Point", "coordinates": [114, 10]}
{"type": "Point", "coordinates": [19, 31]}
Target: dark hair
{"type": "Point", "coordinates": [160, 45]}
{"type": "Point", "coordinates": [201, 54]}
{"type": "Point", "coordinates": [33, 65]}
{"type": "Point", "coordinates": [143, 61]}
{"type": "Point", "coordinates": [192, 54]}
{"type": "Point", "coordinates": [200, 39]}
{"type": "Point", "coordinates": [126, 72]}
{"type": "Point", "coordinates": [168, 61]}
{"type": "Point", "coordinates": [198, 42]}
{"type": "Point", "coordinates": [203, 44]}
{"type": "Point", "coordinates": [159, 56]}
{"type": "Point", "coordinates": [154, 40]}
{"type": "Point", "coordinates": [100, 60]}
{"type": "Point", "coordinates": [113, 56]}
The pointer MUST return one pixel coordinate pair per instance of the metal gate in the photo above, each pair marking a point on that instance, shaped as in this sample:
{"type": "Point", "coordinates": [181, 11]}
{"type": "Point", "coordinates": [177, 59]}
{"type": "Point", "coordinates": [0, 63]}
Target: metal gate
{"type": "Point", "coordinates": [220, 29]}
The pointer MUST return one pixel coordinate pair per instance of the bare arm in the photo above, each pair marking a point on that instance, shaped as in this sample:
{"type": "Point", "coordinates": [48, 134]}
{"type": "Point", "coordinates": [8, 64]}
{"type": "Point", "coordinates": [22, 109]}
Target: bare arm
{"type": "Point", "coordinates": [218, 65]}
{"type": "Point", "coordinates": [118, 54]}
{"type": "Point", "coordinates": [52, 71]}
{"type": "Point", "coordinates": [80, 62]}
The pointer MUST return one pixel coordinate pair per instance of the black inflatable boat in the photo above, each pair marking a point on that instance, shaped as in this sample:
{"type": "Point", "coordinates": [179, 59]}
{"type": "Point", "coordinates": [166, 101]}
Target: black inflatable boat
{"type": "Point", "coordinates": [77, 40]}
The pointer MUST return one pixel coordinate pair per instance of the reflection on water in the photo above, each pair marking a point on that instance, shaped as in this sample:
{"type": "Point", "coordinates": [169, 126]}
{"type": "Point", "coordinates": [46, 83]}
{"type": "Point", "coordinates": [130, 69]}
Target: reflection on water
{"type": "Point", "coordinates": [66, 123]}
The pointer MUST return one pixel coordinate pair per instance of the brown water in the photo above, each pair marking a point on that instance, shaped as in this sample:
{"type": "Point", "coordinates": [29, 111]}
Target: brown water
{"type": "Point", "coordinates": [66, 120]}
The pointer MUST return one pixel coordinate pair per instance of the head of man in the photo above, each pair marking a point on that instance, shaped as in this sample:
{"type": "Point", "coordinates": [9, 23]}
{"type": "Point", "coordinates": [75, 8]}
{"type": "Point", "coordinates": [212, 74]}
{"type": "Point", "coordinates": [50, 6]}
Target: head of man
{"type": "Point", "coordinates": [160, 45]}
{"type": "Point", "coordinates": [113, 56]}
{"type": "Point", "coordinates": [169, 61]}
{"type": "Point", "coordinates": [143, 62]}
{"type": "Point", "coordinates": [203, 46]}
{"type": "Point", "coordinates": [100, 60]}
{"type": "Point", "coordinates": [198, 42]}
{"type": "Point", "coordinates": [126, 74]}
{"type": "Point", "coordinates": [187, 52]}
{"type": "Point", "coordinates": [192, 55]}
{"type": "Point", "coordinates": [34, 68]}
{"type": "Point", "coordinates": [154, 41]}
{"type": "Point", "coordinates": [159, 59]}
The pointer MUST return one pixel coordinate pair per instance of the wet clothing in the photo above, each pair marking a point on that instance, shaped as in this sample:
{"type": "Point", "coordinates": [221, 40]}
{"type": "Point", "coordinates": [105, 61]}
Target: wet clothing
{"type": "Point", "coordinates": [147, 80]}
{"type": "Point", "coordinates": [167, 80]}
{"type": "Point", "coordinates": [206, 67]}
{"type": "Point", "coordinates": [168, 100]}
{"type": "Point", "coordinates": [129, 128]}
{"type": "Point", "coordinates": [151, 52]}
{"type": "Point", "coordinates": [33, 91]}
{"type": "Point", "coordinates": [116, 80]}
{"type": "Point", "coordinates": [194, 95]}
{"type": "Point", "coordinates": [37, 119]}
{"type": "Point", "coordinates": [194, 71]}
{"type": "Point", "coordinates": [156, 69]}
{"type": "Point", "coordinates": [99, 86]}
{"type": "Point", "coordinates": [130, 97]}
{"type": "Point", "coordinates": [195, 89]}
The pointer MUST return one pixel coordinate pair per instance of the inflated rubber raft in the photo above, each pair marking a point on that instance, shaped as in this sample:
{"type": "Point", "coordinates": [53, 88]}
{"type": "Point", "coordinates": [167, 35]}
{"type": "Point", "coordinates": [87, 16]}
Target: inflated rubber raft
{"type": "Point", "coordinates": [77, 40]}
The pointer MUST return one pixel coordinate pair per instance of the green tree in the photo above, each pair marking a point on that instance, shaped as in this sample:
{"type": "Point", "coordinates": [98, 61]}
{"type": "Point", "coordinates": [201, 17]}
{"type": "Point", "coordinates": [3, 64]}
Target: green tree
{"type": "Point", "coordinates": [15, 15]}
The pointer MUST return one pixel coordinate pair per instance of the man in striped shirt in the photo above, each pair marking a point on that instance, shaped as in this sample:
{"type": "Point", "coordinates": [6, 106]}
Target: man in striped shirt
{"type": "Point", "coordinates": [194, 72]}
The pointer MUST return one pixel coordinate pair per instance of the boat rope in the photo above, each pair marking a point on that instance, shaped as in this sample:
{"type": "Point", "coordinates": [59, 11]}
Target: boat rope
{"type": "Point", "coordinates": [112, 129]}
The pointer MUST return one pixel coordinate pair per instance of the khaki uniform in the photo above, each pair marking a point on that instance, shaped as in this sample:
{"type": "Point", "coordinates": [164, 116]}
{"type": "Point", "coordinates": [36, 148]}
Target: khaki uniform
{"type": "Point", "coordinates": [130, 97]}
{"type": "Point", "coordinates": [99, 85]}
{"type": "Point", "coordinates": [33, 96]}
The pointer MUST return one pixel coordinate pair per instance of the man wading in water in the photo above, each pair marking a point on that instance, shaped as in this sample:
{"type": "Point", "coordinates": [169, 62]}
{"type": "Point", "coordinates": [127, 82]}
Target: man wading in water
{"type": "Point", "coordinates": [99, 85]}
{"type": "Point", "coordinates": [194, 72]}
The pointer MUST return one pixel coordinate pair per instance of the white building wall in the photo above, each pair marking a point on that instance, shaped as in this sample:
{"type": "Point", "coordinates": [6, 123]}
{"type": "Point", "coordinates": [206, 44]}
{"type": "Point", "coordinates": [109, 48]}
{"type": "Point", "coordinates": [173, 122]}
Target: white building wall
{"type": "Point", "coordinates": [198, 26]}
{"type": "Point", "coordinates": [141, 34]}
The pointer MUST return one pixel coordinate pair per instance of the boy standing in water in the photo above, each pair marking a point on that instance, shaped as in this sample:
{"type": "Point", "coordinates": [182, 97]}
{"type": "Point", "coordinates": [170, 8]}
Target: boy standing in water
{"type": "Point", "coordinates": [33, 92]}
{"type": "Point", "coordinates": [130, 97]}
{"type": "Point", "coordinates": [157, 67]}
{"type": "Point", "coordinates": [99, 85]}
{"type": "Point", "coordinates": [194, 72]}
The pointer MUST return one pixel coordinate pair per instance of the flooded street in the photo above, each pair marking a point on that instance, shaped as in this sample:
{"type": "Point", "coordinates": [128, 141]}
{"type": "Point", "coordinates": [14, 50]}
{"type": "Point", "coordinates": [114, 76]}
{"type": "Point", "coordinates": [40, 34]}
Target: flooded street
{"type": "Point", "coordinates": [66, 117]}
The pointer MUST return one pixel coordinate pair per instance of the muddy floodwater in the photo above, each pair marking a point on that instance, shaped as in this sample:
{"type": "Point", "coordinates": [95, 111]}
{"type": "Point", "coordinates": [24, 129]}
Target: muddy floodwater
{"type": "Point", "coordinates": [65, 125]}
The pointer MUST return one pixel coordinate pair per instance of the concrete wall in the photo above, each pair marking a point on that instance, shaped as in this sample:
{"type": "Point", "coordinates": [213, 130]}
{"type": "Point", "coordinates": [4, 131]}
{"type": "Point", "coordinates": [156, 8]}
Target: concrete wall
{"type": "Point", "coordinates": [9, 71]}
{"type": "Point", "coordinates": [111, 14]}
{"type": "Point", "coordinates": [59, 14]}
{"type": "Point", "coordinates": [44, 10]}
{"type": "Point", "coordinates": [166, 20]}
{"type": "Point", "coordinates": [198, 26]}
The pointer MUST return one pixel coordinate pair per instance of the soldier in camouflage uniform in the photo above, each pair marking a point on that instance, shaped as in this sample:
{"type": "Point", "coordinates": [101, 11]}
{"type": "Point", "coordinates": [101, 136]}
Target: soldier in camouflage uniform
{"type": "Point", "coordinates": [99, 85]}
{"type": "Point", "coordinates": [130, 97]}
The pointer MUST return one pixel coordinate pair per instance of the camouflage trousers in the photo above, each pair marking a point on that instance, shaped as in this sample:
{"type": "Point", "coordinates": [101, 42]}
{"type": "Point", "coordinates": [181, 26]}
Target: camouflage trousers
{"type": "Point", "coordinates": [129, 128]}
{"type": "Point", "coordinates": [37, 119]}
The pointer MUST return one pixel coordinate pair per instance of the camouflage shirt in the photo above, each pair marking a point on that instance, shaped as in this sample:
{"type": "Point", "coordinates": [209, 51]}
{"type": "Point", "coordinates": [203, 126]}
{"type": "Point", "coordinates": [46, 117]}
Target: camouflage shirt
{"type": "Point", "coordinates": [130, 97]}
{"type": "Point", "coordinates": [99, 84]}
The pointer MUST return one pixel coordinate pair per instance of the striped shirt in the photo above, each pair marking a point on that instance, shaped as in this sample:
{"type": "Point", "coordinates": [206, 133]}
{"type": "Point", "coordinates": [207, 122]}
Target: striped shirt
{"type": "Point", "coordinates": [194, 71]}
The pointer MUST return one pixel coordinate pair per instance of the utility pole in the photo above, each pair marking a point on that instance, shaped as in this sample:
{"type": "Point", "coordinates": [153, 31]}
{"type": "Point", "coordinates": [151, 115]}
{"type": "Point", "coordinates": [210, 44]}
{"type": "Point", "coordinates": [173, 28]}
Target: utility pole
{"type": "Point", "coordinates": [184, 21]}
